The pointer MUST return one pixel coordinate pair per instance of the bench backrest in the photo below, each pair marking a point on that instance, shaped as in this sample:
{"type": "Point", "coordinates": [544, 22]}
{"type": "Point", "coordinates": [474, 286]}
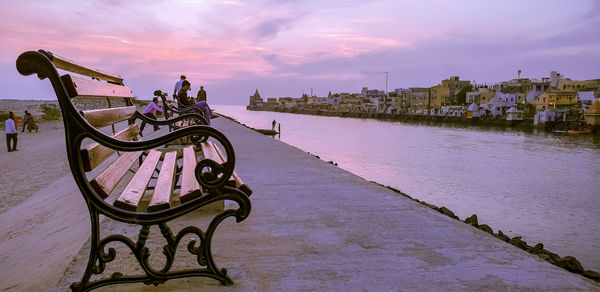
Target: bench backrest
{"type": "Point", "coordinates": [106, 90]}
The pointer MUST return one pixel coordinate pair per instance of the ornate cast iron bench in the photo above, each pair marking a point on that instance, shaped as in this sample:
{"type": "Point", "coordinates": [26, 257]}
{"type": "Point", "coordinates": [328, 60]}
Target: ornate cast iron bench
{"type": "Point", "coordinates": [145, 183]}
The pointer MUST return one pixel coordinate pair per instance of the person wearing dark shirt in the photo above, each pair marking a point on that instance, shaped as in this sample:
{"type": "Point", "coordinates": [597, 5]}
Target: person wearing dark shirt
{"type": "Point", "coordinates": [201, 94]}
{"type": "Point", "coordinates": [201, 104]}
{"type": "Point", "coordinates": [182, 97]}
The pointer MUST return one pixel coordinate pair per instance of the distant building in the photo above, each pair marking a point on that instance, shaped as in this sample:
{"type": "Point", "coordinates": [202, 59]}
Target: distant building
{"type": "Point", "coordinates": [419, 99]}
{"type": "Point", "coordinates": [555, 99]}
{"type": "Point", "coordinates": [592, 115]}
{"type": "Point", "coordinates": [473, 111]}
{"type": "Point", "coordinates": [454, 110]}
{"type": "Point", "coordinates": [586, 99]}
{"type": "Point", "coordinates": [255, 101]}
{"type": "Point", "coordinates": [513, 114]}
{"type": "Point", "coordinates": [446, 93]}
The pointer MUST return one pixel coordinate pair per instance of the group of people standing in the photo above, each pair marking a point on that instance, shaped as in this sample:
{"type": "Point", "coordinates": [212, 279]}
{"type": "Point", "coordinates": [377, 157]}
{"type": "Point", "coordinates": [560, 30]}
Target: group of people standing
{"type": "Point", "coordinates": [183, 101]}
{"type": "Point", "coordinates": [180, 93]}
{"type": "Point", "coordinates": [12, 134]}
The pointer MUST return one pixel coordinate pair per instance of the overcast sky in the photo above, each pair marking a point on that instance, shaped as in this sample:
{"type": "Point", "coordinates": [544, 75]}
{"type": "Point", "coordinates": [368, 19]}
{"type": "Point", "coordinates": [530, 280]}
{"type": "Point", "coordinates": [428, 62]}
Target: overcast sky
{"type": "Point", "coordinates": [284, 48]}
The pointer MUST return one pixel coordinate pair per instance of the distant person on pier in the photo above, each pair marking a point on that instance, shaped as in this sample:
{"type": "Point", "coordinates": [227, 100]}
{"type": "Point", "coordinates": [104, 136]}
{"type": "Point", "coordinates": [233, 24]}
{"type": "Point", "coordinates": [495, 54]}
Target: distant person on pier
{"type": "Point", "coordinates": [178, 85]}
{"type": "Point", "coordinates": [11, 132]}
{"type": "Point", "coordinates": [150, 112]}
{"type": "Point", "coordinates": [203, 105]}
{"type": "Point", "coordinates": [273, 125]}
{"type": "Point", "coordinates": [201, 94]}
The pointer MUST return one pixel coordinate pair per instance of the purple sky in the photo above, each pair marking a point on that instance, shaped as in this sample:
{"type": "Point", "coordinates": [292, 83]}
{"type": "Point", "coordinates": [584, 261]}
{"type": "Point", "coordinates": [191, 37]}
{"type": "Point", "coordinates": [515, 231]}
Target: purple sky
{"type": "Point", "coordinates": [284, 48]}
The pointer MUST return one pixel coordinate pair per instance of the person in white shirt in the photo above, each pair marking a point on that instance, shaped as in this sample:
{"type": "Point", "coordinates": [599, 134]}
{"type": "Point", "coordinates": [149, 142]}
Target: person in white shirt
{"type": "Point", "coordinates": [11, 132]}
{"type": "Point", "coordinates": [178, 85]}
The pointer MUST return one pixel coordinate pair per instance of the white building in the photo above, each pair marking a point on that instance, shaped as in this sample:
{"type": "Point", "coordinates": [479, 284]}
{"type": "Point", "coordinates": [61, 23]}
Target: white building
{"type": "Point", "coordinates": [513, 114]}
{"type": "Point", "coordinates": [453, 110]}
{"type": "Point", "coordinates": [473, 111]}
{"type": "Point", "coordinates": [500, 103]}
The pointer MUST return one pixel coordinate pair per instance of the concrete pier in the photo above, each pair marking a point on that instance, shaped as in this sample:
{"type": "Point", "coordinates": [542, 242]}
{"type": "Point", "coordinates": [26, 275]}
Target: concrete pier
{"type": "Point", "coordinates": [316, 227]}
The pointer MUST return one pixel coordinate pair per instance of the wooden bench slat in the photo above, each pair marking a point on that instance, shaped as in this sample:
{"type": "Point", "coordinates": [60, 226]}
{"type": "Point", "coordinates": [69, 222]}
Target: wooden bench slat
{"type": "Point", "coordinates": [71, 66]}
{"type": "Point", "coordinates": [107, 116]}
{"type": "Point", "coordinates": [190, 188]}
{"type": "Point", "coordinates": [86, 88]}
{"type": "Point", "coordinates": [133, 193]}
{"type": "Point", "coordinates": [239, 183]}
{"type": "Point", "coordinates": [106, 181]}
{"type": "Point", "coordinates": [94, 154]}
{"type": "Point", "coordinates": [164, 186]}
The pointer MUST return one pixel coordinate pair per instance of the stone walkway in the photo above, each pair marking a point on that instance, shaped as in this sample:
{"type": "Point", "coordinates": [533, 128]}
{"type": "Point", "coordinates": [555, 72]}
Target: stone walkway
{"type": "Point", "coordinates": [316, 227]}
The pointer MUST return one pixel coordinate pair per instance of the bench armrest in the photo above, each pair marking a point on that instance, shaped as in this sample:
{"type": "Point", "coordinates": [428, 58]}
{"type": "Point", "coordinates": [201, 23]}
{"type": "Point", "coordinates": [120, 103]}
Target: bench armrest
{"type": "Point", "coordinates": [200, 118]}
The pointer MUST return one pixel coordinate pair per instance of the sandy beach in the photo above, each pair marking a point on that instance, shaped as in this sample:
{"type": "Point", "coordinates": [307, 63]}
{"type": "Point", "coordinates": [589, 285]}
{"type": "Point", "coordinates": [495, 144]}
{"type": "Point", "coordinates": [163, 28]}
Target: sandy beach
{"type": "Point", "coordinates": [40, 160]}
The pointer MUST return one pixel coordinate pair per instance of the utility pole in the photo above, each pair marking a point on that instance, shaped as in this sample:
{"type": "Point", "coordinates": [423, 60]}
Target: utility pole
{"type": "Point", "coordinates": [386, 81]}
{"type": "Point", "coordinates": [386, 93]}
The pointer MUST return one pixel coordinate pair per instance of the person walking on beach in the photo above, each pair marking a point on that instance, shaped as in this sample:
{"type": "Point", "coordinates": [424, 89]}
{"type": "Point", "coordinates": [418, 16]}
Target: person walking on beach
{"type": "Point", "coordinates": [150, 112]}
{"type": "Point", "coordinates": [30, 122]}
{"type": "Point", "coordinates": [26, 119]}
{"type": "Point", "coordinates": [178, 85]}
{"type": "Point", "coordinates": [32, 125]}
{"type": "Point", "coordinates": [11, 132]}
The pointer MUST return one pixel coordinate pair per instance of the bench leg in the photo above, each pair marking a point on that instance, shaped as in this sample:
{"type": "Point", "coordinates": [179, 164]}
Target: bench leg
{"type": "Point", "coordinates": [93, 257]}
{"type": "Point", "coordinates": [202, 250]}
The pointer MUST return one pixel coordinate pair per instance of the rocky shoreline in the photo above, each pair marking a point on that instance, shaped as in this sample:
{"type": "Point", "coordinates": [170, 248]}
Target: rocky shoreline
{"type": "Point", "coordinates": [568, 263]}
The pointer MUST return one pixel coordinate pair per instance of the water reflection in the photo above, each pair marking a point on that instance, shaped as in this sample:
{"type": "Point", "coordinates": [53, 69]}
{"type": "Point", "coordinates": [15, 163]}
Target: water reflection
{"type": "Point", "coordinates": [539, 185]}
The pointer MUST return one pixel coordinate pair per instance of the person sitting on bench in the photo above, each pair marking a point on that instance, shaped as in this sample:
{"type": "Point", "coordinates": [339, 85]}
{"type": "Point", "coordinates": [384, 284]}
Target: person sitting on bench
{"type": "Point", "coordinates": [201, 104]}
{"type": "Point", "coordinates": [150, 112]}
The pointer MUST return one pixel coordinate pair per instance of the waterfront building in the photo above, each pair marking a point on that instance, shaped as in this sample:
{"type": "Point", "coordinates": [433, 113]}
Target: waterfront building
{"type": "Point", "coordinates": [446, 92]}
{"type": "Point", "coordinates": [453, 110]}
{"type": "Point", "coordinates": [485, 96]}
{"type": "Point", "coordinates": [500, 103]}
{"type": "Point", "coordinates": [544, 116]}
{"type": "Point", "coordinates": [419, 99]}
{"type": "Point", "coordinates": [255, 101]}
{"type": "Point", "coordinates": [555, 99]}
{"type": "Point", "coordinates": [369, 107]}
{"type": "Point", "coordinates": [592, 115]}
{"type": "Point", "coordinates": [586, 98]}
{"type": "Point", "coordinates": [513, 114]}
{"type": "Point", "coordinates": [397, 101]}
{"type": "Point", "coordinates": [535, 89]}
{"type": "Point", "coordinates": [374, 97]}
{"type": "Point", "coordinates": [473, 111]}
{"type": "Point", "coordinates": [567, 84]}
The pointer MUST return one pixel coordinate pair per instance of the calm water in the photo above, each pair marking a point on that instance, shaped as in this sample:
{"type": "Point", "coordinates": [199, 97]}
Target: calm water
{"type": "Point", "coordinates": [541, 186]}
